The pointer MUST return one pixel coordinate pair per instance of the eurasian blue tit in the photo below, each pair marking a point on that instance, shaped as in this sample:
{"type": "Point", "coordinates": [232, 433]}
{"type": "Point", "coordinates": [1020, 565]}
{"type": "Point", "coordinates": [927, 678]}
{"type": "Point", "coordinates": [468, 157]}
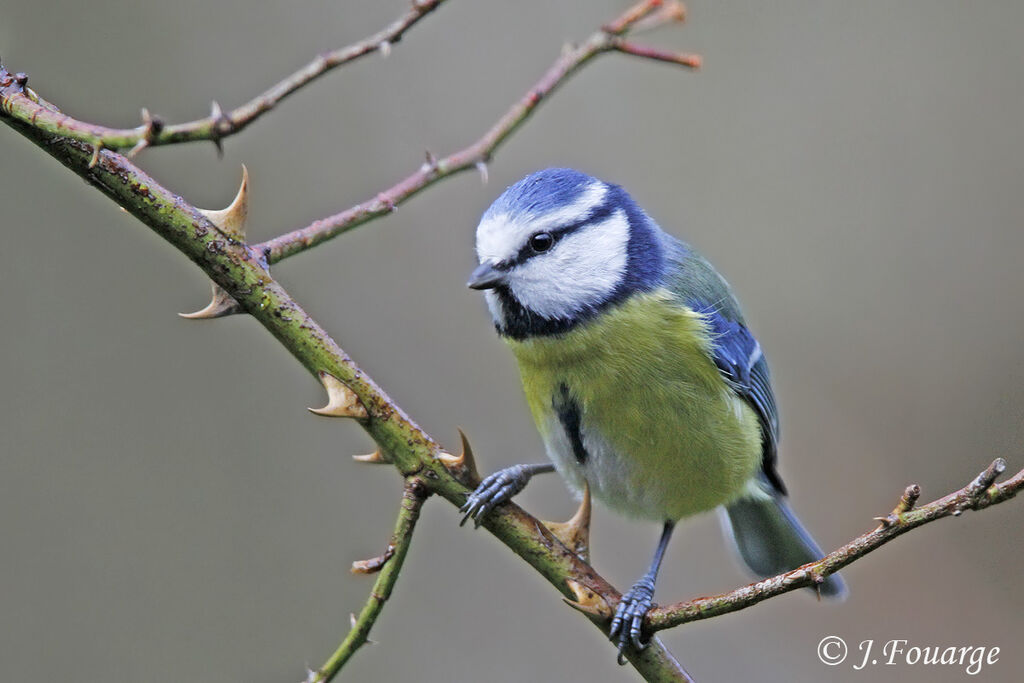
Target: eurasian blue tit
{"type": "Point", "coordinates": [642, 377]}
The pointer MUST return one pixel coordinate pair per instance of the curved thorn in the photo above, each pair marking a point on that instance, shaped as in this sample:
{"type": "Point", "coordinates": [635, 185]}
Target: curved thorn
{"type": "Point", "coordinates": [575, 532]}
{"type": "Point", "coordinates": [95, 159]}
{"type": "Point", "coordinates": [465, 462]}
{"type": "Point", "coordinates": [449, 460]}
{"type": "Point", "coordinates": [587, 601]}
{"type": "Point", "coordinates": [341, 401]}
{"type": "Point", "coordinates": [374, 564]}
{"type": "Point", "coordinates": [231, 220]}
{"type": "Point", "coordinates": [375, 458]}
{"type": "Point", "coordinates": [469, 460]}
{"type": "Point", "coordinates": [221, 304]}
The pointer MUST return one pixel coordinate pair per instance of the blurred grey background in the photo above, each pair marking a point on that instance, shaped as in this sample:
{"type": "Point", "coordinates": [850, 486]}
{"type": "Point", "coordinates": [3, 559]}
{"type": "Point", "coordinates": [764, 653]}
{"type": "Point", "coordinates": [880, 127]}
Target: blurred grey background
{"type": "Point", "coordinates": [169, 511]}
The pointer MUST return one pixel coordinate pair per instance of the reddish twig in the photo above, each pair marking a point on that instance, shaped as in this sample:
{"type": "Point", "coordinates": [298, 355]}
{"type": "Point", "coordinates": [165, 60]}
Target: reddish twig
{"type": "Point", "coordinates": [219, 124]}
{"type": "Point", "coordinates": [647, 52]}
{"type": "Point", "coordinates": [479, 153]}
{"type": "Point", "coordinates": [630, 17]}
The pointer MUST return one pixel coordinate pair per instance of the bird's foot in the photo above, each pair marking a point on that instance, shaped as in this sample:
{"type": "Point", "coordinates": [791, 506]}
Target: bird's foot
{"type": "Point", "coordinates": [495, 490]}
{"type": "Point", "coordinates": [628, 622]}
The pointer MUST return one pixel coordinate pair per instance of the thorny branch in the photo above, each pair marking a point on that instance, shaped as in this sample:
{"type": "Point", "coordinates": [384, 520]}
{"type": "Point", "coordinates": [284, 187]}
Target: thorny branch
{"type": "Point", "coordinates": [241, 270]}
{"type": "Point", "coordinates": [981, 493]}
{"type": "Point", "coordinates": [235, 267]}
{"type": "Point", "coordinates": [413, 496]}
{"type": "Point", "coordinates": [219, 124]}
{"type": "Point", "coordinates": [478, 154]}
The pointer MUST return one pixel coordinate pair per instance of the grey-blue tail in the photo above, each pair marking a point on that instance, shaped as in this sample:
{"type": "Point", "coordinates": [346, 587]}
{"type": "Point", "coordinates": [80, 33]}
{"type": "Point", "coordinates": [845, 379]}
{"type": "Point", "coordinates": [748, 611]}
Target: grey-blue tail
{"type": "Point", "coordinates": [770, 539]}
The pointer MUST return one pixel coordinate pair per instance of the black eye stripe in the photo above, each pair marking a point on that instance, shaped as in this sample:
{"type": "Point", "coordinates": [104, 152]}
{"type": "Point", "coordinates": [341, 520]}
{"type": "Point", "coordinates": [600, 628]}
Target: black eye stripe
{"type": "Point", "coordinates": [526, 251]}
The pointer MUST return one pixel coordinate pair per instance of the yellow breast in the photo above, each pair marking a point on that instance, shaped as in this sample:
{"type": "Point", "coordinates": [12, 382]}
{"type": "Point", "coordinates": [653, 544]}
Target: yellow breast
{"type": "Point", "coordinates": [665, 436]}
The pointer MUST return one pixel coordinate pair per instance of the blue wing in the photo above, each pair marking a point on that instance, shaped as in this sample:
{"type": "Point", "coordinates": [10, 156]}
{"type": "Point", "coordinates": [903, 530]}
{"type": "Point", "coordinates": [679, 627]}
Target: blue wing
{"type": "Point", "coordinates": [741, 362]}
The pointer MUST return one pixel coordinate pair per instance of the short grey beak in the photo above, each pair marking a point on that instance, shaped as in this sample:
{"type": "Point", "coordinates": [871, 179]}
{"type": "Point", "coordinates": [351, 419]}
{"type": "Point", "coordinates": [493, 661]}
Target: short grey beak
{"type": "Point", "coordinates": [487, 276]}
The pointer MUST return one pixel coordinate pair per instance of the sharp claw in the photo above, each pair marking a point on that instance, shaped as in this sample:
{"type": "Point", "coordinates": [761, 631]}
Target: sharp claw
{"type": "Point", "coordinates": [634, 635]}
{"type": "Point", "coordinates": [616, 625]}
{"type": "Point", "coordinates": [492, 492]}
{"type": "Point", "coordinates": [472, 508]}
{"type": "Point", "coordinates": [485, 509]}
{"type": "Point", "coordinates": [469, 508]}
{"type": "Point", "coordinates": [627, 625]}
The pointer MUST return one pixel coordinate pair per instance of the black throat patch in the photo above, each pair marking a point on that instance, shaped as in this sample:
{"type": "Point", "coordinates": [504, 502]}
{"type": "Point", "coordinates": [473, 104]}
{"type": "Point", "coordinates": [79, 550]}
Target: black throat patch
{"type": "Point", "coordinates": [568, 412]}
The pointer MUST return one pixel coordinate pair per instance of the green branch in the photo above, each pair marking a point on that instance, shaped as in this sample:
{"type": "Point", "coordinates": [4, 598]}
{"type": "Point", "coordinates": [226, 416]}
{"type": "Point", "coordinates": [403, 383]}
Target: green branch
{"type": "Point", "coordinates": [389, 565]}
{"type": "Point", "coordinates": [239, 270]}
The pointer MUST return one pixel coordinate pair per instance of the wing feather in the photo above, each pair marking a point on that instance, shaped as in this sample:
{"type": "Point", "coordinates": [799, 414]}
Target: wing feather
{"type": "Point", "coordinates": [739, 358]}
{"type": "Point", "coordinates": [695, 283]}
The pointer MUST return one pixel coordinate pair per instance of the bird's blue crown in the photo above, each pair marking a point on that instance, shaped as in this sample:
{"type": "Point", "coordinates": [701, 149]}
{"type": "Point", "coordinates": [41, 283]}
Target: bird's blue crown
{"type": "Point", "coordinates": [541, 193]}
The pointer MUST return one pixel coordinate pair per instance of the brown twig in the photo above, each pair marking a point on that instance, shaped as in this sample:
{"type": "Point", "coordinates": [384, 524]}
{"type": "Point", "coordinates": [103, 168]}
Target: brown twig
{"type": "Point", "coordinates": [478, 154]}
{"type": "Point", "coordinates": [219, 124]}
{"type": "Point", "coordinates": [979, 494]}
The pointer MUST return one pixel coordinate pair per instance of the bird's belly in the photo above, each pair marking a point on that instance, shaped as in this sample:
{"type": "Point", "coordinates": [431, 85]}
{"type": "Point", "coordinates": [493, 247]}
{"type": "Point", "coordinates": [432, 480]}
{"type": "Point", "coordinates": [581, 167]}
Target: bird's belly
{"type": "Point", "coordinates": [695, 468]}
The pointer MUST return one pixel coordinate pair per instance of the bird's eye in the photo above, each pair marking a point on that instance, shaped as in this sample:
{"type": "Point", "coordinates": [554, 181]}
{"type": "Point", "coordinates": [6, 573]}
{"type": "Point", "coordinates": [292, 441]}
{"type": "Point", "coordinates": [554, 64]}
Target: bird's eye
{"type": "Point", "coordinates": [542, 241]}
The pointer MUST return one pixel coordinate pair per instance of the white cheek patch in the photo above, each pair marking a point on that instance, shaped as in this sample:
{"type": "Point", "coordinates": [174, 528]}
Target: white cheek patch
{"type": "Point", "coordinates": [581, 271]}
{"type": "Point", "coordinates": [499, 238]}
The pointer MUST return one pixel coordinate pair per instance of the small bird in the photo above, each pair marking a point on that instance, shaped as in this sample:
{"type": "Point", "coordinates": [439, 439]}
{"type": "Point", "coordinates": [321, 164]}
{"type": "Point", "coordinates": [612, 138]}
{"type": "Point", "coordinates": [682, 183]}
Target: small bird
{"type": "Point", "coordinates": [642, 377]}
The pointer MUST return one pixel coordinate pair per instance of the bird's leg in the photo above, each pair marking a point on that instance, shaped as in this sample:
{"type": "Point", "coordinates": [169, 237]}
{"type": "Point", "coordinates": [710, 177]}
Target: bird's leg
{"type": "Point", "coordinates": [498, 488]}
{"type": "Point", "coordinates": [637, 601]}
